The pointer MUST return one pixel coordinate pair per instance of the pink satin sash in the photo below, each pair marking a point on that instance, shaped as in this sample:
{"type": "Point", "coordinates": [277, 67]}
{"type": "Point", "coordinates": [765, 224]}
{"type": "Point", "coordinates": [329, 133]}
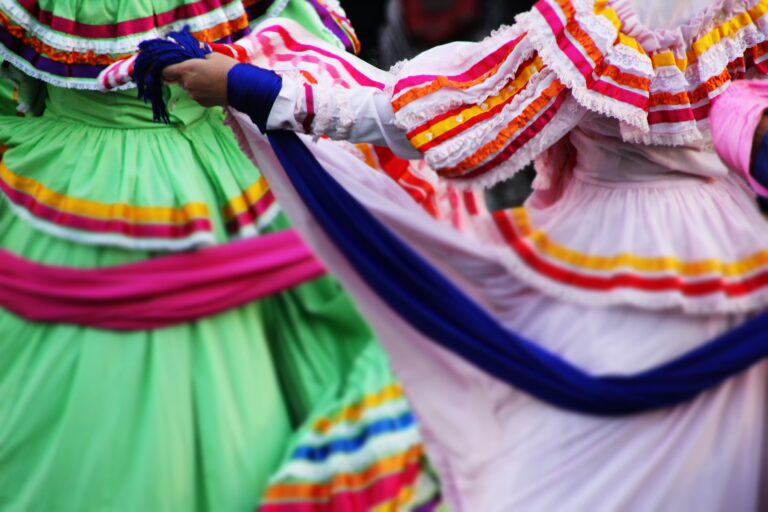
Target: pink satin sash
{"type": "Point", "coordinates": [159, 292]}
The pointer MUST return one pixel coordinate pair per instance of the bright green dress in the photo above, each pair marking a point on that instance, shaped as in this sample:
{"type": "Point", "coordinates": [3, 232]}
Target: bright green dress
{"type": "Point", "coordinates": [8, 101]}
{"type": "Point", "coordinates": [201, 416]}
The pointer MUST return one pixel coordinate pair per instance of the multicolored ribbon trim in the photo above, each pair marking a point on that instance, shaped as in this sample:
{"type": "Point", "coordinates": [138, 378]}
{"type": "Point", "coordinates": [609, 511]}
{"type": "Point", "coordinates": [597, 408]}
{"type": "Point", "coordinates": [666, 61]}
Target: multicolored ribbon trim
{"type": "Point", "coordinates": [367, 456]}
{"type": "Point", "coordinates": [605, 273]}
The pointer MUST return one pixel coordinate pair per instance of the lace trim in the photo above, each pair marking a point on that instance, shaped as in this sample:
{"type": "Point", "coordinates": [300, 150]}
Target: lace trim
{"type": "Point", "coordinates": [456, 149]}
{"type": "Point", "coordinates": [346, 118]}
{"type": "Point", "coordinates": [428, 107]}
{"type": "Point", "coordinates": [564, 121]}
{"type": "Point", "coordinates": [701, 21]}
{"type": "Point", "coordinates": [635, 121]}
{"type": "Point", "coordinates": [324, 111]}
{"type": "Point", "coordinates": [122, 45]}
{"type": "Point", "coordinates": [397, 68]}
{"type": "Point", "coordinates": [695, 133]}
{"type": "Point", "coordinates": [89, 84]}
{"type": "Point", "coordinates": [333, 116]}
{"type": "Point", "coordinates": [542, 40]}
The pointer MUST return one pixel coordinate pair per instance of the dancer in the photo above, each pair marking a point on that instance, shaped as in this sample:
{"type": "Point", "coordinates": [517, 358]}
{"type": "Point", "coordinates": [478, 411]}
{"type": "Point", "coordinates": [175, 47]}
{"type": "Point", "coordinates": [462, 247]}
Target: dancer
{"type": "Point", "coordinates": [637, 247]}
{"type": "Point", "coordinates": [290, 395]}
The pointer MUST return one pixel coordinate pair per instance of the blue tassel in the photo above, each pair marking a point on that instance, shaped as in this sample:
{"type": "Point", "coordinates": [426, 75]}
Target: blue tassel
{"type": "Point", "coordinates": [157, 54]}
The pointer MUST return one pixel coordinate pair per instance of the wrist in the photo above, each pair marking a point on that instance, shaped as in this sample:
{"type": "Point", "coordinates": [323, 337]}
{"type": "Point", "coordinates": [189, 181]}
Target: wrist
{"type": "Point", "coordinates": [253, 91]}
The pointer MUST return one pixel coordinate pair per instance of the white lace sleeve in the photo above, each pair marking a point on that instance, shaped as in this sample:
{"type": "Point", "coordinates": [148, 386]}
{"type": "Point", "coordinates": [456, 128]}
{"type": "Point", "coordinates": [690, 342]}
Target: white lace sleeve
{"type": "Point", "coordinates": [359, 115]}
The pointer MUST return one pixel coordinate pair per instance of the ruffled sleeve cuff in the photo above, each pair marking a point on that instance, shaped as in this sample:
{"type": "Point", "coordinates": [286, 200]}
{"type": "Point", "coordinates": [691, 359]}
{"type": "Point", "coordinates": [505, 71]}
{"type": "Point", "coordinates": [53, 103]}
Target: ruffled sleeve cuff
{"type": "Point", "coordinates": [479, 112]}
{"type": "Point", "coordinates": [253, 91]}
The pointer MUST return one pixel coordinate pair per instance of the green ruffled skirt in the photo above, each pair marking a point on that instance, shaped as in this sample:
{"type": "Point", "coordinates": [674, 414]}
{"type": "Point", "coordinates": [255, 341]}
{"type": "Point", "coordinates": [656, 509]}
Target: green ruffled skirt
{"type": "Point", "coordinates": [199, 416]}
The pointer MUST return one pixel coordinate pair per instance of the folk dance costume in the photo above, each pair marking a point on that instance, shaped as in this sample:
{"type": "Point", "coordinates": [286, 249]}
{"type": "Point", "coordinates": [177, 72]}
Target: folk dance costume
{"type": "Point", "coordinates": [136, 370]}
{"type": "Point", "coordinates": [634, 268]}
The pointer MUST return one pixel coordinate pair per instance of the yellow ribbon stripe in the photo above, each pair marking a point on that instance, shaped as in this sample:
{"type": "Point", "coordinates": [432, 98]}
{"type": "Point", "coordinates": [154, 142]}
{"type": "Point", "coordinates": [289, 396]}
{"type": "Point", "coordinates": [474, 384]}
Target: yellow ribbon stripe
{"type": "Point", "coordinates": [725, 30]}
{"type": "Point", "coordinates": [700, 268]}
{"type": "Point", "coordinates": [603, 9]}
{"type": "Point", "coordinates": [250, 196]}
{"type": "Point", "coordinates": [668, 58]}
{"type": "Point", "coordinates": [730, 27]}
{"type": "Point", "coordinates": [468, 114]}
{"type": "Point", "coordinates": [356, 411]}
{"type": "Point", "coordinates": [94, 209]}
{"type": "Point", "coordinates": [631, 42]}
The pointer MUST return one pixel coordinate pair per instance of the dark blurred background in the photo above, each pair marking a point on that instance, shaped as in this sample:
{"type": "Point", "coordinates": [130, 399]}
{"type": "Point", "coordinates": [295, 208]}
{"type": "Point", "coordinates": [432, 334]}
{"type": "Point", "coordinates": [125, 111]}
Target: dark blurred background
{"type": "Point", "coordinates": [393, 30]}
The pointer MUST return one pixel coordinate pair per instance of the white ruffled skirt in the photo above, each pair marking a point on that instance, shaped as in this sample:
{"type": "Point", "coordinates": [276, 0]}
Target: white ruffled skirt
{"type": "Point", "coordinates": [616, 280]}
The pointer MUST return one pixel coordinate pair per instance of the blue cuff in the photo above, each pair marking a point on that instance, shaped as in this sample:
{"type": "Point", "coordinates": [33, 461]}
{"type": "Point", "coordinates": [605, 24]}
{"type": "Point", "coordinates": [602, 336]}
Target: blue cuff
{"type": "Point", "coordinates": [253, 90]}
{"type": "Point", "coordinates": [760, 167]}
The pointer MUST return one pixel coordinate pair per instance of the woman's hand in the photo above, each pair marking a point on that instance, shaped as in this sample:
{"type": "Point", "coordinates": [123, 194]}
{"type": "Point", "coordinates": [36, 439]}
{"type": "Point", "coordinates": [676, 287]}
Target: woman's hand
{"type": "Point", "coordinates": [204, 79]}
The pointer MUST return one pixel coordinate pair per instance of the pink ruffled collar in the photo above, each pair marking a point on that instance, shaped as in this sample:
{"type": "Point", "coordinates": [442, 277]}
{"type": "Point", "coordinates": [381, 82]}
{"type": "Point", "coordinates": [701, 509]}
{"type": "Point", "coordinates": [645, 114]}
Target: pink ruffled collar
{"type": "Point", "coordinates": [681, 37]}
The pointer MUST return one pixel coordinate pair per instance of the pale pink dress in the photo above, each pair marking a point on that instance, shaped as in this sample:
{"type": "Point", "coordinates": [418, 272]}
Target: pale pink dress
{"type": "Point", "coordinates": [638, 245]}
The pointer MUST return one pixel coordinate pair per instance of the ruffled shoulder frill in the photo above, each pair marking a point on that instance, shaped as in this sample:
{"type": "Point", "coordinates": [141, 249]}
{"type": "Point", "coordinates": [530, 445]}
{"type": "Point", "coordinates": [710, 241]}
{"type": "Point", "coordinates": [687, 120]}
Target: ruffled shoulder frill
{"type": "Point", "coordinates": [67, 43]}
{"type": "Point", "coordinates": [481, 111]}
{"type": "Point", "coordinates": [659, 83]}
